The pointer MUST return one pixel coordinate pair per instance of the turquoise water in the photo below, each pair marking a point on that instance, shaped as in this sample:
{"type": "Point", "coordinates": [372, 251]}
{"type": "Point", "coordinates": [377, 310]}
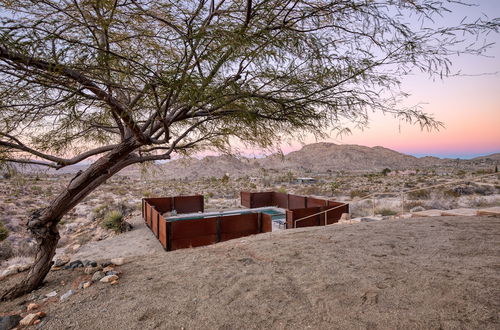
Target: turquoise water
{"type": "Point", "coordinates": [275, 215]}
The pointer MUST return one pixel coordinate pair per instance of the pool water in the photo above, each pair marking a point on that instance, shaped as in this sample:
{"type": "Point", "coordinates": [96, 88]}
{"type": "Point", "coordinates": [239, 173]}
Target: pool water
{"type": "Point", "coordinates": [275, 214]}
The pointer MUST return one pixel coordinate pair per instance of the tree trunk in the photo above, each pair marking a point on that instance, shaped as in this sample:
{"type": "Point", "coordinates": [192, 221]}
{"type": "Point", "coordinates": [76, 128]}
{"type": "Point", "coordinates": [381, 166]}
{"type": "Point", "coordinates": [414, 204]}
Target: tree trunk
{"type": "Point", "coordinates": [47, 239]}
{"type": "Point", "coordinates": [43, 222]}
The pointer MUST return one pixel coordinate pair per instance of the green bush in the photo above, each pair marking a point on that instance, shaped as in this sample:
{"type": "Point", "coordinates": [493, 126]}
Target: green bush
{"type": "Point", "coordinates": [4, 232]}
{"type": "Point", "coordinates": [113, 220]}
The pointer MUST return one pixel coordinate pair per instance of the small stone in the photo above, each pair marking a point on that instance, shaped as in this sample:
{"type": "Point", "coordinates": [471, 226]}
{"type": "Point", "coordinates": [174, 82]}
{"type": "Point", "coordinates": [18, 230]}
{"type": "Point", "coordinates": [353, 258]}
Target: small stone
{"type": "Point", "coordinates": [345, 216]}
{"type": "Point", "coordinates": [76, 264]}
{"type": "Point", "coordinates": [67, 295]}
{"type": "Point", "coordinates": [86, 263]}
{"type": "Point", "coordinates": [51, 294]}
{"type": "Point", "coordinates": [29, 319]}
{"type": "Point", "coordinates": [105, 264]}
{"type": "Point", "coordinates": [90, 270]}
{"type": "Point", "coordinates": [109, 278]}
{"type": "Point", "coordinates": [86, 284]}
{"type": "Point", "coordinates": [61, 261]}
{"type": "Point", "coordinates": [9, 321]}
{"type": "Point", "coordinates": [113, 272]}
{"type": "Point", "coordinates": [54, 268]}
{"type": "Point", "coordinates": [108, 269]}
{"type": "Point", "coordinates": [417, 209]}
{"type": "Point", "coordinates": [33, 306]}
{"type": "Point", "coordinates": [41, 314]}
{"type": "Point", "coordinates": [93, 264]}
{"type": "Point", "coordinates": [37, 321]}
{"type": "Point", "coordinates": [118, 261]}
{"type": "Point", "coordinates": [97, 276]}
{"type": "Point", "coordinates": [114, 282]}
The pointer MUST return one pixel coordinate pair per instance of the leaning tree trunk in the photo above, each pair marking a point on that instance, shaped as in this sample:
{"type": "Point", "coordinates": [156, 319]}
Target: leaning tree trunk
{"type": "Point", "coordinates": [47, 238]}
{"type": "Point", "coordinates": [43, 222]}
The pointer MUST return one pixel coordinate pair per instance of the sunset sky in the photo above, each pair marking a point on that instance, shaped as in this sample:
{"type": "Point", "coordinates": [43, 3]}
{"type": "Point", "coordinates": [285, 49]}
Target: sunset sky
{"type": "Point", "coordinates": [469, 106]}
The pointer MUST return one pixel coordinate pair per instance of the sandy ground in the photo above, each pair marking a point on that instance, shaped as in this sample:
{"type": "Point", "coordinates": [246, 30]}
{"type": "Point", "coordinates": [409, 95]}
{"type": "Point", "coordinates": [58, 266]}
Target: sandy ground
{"type": "Point", "coordinates": [421, 273]}
{"type": "Point", "coordinates": [139, 241]}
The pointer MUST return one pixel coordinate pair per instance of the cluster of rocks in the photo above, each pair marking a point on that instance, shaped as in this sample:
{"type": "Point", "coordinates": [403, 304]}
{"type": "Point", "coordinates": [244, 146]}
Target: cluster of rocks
{"type": "Point", "coordinates": [104, 272]}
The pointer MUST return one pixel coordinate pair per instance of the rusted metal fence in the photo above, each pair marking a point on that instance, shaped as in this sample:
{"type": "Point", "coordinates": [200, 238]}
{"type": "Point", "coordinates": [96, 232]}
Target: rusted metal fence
{"type": "Point", "coordinates": [175, 233]}
{"type": "Point", "coordinates": [318, 211]}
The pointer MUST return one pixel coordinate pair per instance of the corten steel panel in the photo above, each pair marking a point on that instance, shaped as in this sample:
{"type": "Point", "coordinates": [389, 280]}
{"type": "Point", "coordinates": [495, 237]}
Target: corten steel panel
{"type": "Point", "coordinates": [146, 213]}
{"type": "Point", "coordinates": [187, 229]}
{"type": "Point", "coordinates": [154, 222]}
{"type": "Point", "coordinates": [266, 223]}
{"type": "Point", "coordinates": [246, 199]}
{"type": "Point", "coordinates": [184, 243]}
{"type": "Point", "coordinates": [261, 199]}
{"type": "Point", "coordinates": [315, 202]}
{"type": "Point", "coordinates": [280, 200]}
{"type": "Point", "coordinates": [301, 213]}
{"type": "Point", "coordinates": [162, 231]}
{"type": "Point", "coordinates": [162, 204]}
{"type": "Point", "coordinates": [188, 204]}
{"type": "Point", "coordinates": [334, 215]}
{"type": "Point", "coordinates": [240, 223]}
{"type": "Point", "coordinates": [296, 202]}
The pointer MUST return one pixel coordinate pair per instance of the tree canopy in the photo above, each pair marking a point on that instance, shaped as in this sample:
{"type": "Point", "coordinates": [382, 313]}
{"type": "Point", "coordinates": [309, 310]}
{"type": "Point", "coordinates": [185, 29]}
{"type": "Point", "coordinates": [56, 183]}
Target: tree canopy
{"type": "Point", "coordinates": [183, 74]}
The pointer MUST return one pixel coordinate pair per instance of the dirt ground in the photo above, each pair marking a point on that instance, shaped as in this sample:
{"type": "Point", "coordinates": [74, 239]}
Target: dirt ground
{"type": "Point", "coordinates": [432, 273]}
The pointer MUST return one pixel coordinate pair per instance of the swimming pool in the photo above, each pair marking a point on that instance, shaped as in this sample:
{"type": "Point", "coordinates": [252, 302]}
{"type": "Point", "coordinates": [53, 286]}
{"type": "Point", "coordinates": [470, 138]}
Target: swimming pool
{"type": "Point", "coordinates": [276, 214]}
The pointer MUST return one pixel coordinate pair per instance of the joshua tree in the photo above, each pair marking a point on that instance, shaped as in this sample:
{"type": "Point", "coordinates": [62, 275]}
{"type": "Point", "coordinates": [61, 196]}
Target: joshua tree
{"type": "Point", "coordinates": [121, 82]}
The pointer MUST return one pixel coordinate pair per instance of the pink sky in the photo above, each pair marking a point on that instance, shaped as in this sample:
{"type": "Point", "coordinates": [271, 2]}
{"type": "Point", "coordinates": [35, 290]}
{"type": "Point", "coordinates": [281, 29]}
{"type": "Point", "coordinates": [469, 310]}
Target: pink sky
{"type": "Point", "coordinates": [469, 106]}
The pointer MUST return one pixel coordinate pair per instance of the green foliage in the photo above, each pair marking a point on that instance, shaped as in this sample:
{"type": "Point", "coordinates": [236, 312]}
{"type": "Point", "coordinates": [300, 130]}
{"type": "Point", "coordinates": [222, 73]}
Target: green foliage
{"type": "Point", "coordinates": [113, 220]}
{"type": "Point", "coordinates": [386, 171]}
{"type": "Point", "coordinates": [4, 232]}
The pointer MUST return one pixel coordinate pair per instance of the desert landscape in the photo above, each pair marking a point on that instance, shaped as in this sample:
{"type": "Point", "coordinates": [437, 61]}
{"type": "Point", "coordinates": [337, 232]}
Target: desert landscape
{"type": "Point", "coordinates": [258, 164]}
{"type": "Point", "coordinates": [108, 225]}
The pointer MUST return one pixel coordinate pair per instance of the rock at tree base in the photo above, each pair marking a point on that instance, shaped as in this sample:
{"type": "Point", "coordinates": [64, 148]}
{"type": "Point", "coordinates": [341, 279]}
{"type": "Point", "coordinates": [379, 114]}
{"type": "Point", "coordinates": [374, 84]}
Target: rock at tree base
{"type": "Point", "coordinates": [118, 261]}
{"type": "Point", "coordinates": [10, 321]}
{"type": "Point", "coordinates": [97, 276]}
{"type": "Point", "coordinates": [109, 278]}
{"type": "Point", "coordinates": [29, 319]}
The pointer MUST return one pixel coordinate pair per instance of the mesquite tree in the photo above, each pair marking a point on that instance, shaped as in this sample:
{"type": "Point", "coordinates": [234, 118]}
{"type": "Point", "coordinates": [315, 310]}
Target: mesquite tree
{"type": "Point", "coordinates": [121, 82]}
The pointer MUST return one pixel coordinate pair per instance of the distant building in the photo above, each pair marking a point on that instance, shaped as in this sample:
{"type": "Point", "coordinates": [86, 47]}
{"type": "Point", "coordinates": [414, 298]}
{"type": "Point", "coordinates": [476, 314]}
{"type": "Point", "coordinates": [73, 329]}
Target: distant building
{"type": "Point", "coordinates": [305, 180]}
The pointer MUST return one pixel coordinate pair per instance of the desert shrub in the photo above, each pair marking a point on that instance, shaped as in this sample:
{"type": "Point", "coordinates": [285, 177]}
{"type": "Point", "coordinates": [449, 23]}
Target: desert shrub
{"type": "Point", "coordinates": [5, 250]}
{"type": "Point", "coordinates": [281, 190]}
{"type": "Point", "coordinates": [419, 194]}
{"type": "Point", "coordinates": [386, 211]}
{"type": "Point", "coordinates": [357, 193]}
{"type": "Point", "coordinates": [451, 193]}
{"type": "Point", "coordinates": [113, 220]}
{"type": "Point", "coordinates": [4, 232]}
{"type": "Point", "coordinates": [24, 249]}
{"type": "Point", "coordinates": [412, 204]}
{"type": "Point", "coordinates": [484, 190]}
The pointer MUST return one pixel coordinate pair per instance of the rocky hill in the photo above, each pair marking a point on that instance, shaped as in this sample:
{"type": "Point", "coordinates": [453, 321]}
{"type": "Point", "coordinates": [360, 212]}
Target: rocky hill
{"type": "Point", "coordinates": [316, 158]}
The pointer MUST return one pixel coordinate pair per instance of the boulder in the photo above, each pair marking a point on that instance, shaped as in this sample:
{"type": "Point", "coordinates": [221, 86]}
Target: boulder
{"type": "Point", "coordinates": [90, 270]}
{"type": "Point", "coordinates": [33, 306]}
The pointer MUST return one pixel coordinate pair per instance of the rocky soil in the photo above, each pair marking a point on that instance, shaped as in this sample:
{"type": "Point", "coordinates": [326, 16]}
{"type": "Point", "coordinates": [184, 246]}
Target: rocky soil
{"type": "Point", "coordinates": [416, 273]}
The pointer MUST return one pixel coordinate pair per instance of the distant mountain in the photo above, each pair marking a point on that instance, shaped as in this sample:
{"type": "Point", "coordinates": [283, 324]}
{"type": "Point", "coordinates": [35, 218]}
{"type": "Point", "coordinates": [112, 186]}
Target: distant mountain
{"type": "Point", "coordinates": [316, 158]}
{"type": "Point", "coordinates": [495, 156]}
{"type": "Point", "coordinates": [321, 157]}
